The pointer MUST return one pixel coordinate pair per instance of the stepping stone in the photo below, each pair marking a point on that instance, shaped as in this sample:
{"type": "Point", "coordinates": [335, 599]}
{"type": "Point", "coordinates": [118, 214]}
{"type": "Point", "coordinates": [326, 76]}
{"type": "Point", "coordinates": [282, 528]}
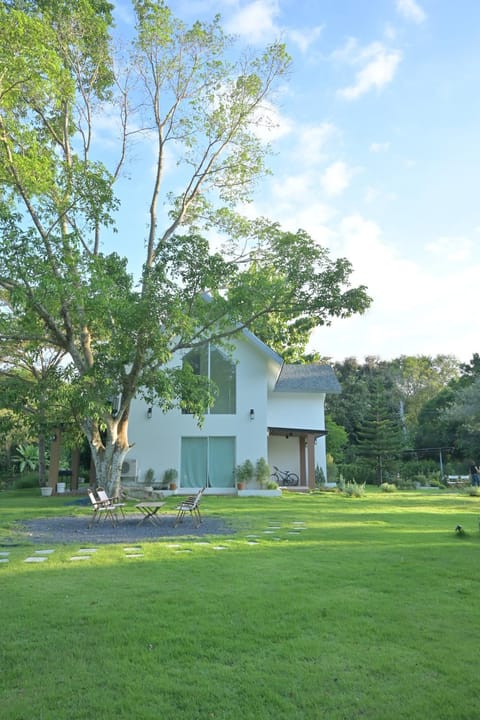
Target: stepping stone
{"type": "Point", "coordinates": [135, 555]}
{"type": "Point", "coordinates": [36, 559]}
{"type": "Point", "coordinates": [4, 560]}
{"type": "Point", "coordinates": [219, 547]}
{"type": "Point", "coordinates": [44, 552]}
{"type": "Point", "coordinates": [132, 549]}
{"type": "Point", "coordinates": [5, 553]}
{"type": "Point", "coordinates": [84, 551]}
{"type": "Point", "coordinates": [268, 532]}
{"type": "Point", "coordinates": [252, 542]}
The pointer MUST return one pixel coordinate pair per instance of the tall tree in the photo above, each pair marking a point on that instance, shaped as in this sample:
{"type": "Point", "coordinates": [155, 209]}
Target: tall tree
{"type": "Point", "coordinates": [380, 437]}
{"type": "Point", "coordinates": [185, 91]}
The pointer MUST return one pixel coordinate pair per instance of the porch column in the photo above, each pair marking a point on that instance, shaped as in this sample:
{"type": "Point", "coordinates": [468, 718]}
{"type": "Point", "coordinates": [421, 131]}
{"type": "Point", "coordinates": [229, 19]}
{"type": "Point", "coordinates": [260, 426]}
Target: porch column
{"type": "Point", "coordinates": [311, 461]}
{"type": "Point", "coordinates": [303, 467]}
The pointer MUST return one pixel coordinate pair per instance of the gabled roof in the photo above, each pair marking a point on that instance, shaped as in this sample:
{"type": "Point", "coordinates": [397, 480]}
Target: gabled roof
{"type": "Point", "coordinates": [262, 347]}
{"type": "Point", "coordinates": [312, 378]}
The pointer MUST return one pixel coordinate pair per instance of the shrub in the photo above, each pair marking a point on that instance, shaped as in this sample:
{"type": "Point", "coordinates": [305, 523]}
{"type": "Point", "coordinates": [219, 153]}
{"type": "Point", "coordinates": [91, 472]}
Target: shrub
{"type": "Point", "coordinates": [388, 487]}
{"type": "Point", "coordinates": [27, 480]}
{"type": "Point", "coordinates": [353, 489]}
{"type": "Point", "coordinates": [262, 473]}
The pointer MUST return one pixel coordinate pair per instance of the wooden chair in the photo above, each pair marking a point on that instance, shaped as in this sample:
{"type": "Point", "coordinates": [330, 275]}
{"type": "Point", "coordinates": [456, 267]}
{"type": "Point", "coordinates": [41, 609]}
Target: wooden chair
{"type": "Point", "coordinates": [102, 509]}
{"type": "Point", "coordinates": [190, 505]}
{"type": "Point", "coordinates": [103, 497]}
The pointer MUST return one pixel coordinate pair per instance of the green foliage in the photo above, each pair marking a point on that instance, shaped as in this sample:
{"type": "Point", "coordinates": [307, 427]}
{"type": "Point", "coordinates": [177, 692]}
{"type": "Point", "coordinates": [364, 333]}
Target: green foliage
{"type": "Point", "coordinates": [244, 472]}
{"type": "Point", "coordinates": [27, 480]}
{"type": "Point", "coordinates": [27, 457]}
{"type": "Point", "coordinates": [388, 487]}
{"type": "Point", "coordinates": [262, 474]}
{"type": "Point", "coordinates": [353, 489]}
{"type": "Point", "coordinates": [170, 475]}
{"type": "Point", "coordinates": [337, 439]}
{"type": "Point", "coordinates": [319, 476]}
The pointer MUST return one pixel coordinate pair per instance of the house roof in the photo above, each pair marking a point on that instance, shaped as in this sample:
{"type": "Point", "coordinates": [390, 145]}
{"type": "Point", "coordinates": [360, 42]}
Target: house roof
{"type": "Point", "coordinates": [261, 346]}
{"type": "Point", "coordinates": [312, 378]}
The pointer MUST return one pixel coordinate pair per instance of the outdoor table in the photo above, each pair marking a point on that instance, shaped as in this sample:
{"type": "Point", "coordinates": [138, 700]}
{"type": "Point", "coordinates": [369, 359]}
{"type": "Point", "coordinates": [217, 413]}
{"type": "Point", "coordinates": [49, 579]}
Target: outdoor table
{"type": "Point", "coordinates": [149, 510]}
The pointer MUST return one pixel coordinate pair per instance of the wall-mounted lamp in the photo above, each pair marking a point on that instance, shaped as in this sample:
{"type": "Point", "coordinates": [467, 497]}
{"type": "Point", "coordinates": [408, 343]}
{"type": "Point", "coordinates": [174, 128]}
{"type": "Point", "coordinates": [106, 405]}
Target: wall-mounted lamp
{"type": "Point", "coordinates": [252, 414]}
{"type": "Point", "coordinates": [149, 413]}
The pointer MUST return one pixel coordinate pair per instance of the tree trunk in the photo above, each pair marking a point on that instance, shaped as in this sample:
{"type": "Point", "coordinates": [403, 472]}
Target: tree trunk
{"type": "Point", "coordinates": [108, 453]}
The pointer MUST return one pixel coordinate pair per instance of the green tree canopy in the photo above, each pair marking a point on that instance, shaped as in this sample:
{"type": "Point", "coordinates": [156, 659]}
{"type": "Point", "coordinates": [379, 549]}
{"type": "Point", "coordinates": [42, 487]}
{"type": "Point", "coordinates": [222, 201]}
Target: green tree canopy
{"type": "Point", "coordinates": [197, 99]}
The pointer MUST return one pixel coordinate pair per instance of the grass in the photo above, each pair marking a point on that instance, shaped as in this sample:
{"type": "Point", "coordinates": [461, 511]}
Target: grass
{"type": "Point", "coordinates": [319, 606]}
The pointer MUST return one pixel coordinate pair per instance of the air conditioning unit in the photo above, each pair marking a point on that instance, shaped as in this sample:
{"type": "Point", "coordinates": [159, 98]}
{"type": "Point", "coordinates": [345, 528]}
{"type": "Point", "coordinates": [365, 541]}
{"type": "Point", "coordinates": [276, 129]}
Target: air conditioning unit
{"type": "Point", "coordinates": [130, 468]}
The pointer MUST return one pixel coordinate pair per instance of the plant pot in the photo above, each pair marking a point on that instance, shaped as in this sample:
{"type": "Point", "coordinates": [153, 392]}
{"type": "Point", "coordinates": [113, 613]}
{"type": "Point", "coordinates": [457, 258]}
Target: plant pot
{"type": "Point", "coordinates": [240, 486]}
{"type": "Point", "coordinates": [46, 491]}
{"type": "Point", "coordinates": [61, 488]}
{"type": "Point", "coordinates": [173, 486]}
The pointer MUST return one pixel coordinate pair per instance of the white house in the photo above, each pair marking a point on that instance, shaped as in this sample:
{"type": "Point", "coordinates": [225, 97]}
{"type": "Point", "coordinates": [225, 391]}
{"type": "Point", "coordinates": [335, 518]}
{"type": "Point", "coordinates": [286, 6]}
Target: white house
{"type": "Point", "coordinates": [264, 409]}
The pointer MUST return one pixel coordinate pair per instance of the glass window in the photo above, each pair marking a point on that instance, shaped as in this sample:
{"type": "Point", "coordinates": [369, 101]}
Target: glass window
{"type": "Point", "coordinates": [212, 363]}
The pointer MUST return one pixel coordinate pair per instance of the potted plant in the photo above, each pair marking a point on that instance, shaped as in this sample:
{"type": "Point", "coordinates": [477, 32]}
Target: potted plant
{"type": "Point", "coordinates": [244, 474]}
{"type": "Point", "coordinates": [169, 478]}
{"type": "Point", "coordinates": [149, 480]}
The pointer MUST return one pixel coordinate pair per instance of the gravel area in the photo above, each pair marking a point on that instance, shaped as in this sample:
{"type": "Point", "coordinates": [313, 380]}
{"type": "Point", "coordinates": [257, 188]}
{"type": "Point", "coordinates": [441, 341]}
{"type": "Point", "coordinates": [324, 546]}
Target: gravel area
{"type": "Point", "coordinates": [75, 530]}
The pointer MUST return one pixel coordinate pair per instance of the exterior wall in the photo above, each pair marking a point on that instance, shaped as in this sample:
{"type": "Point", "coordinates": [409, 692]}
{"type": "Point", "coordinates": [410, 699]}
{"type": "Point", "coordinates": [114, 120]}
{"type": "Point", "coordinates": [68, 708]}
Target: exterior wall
{"type": "Point", "coordinates": [299, 411]}
{"type": "Point", "coordinates": [157, 441]}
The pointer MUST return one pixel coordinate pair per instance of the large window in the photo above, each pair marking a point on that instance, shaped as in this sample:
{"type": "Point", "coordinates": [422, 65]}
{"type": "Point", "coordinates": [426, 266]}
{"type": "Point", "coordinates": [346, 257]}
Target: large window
{"type": "Point", "coordinates": [212, 363]}
{"type": "Point", "coordinates": [207, 461]}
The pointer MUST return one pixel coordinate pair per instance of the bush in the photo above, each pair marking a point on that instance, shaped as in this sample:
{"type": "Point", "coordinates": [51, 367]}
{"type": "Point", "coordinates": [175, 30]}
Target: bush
{"type": "Point", "coordinates": [27, 480]}
{"type": "Point", "coordinates": [353, 489]}
{"type": "Point", "coordinates": [388, 487]}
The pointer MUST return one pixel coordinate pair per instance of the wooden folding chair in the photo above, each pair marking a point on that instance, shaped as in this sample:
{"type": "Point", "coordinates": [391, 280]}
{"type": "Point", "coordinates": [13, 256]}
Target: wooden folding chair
{"type": "Point", "coordinates": [190, 505]}
{"type": "Point", "coordinates": [102, 509]}
{"type": "Point", "coordinates": [103, 497]}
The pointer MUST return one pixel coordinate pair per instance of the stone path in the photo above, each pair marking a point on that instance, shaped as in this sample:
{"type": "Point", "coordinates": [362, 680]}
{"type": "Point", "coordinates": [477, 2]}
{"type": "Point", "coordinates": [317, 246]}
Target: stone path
{"type": "Point", "coordinates": [56, 527]}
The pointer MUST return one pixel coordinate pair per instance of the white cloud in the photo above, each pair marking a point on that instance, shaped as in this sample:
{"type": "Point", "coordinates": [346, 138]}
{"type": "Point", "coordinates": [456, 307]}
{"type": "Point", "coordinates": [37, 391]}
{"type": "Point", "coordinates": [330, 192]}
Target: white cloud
{"type": "Point", "coordinates": [304, 38]}
{"type": "Point", "coordinates": [451, 249]}
{"type": "Point", "coordinates": [336, 178]}
{"type": "Point", "coordinates": [378, 67]}
{"type": "Point", "coordinates": [313, 142]}
{"type": "Point", "coordinates": [411, 308]}
{"type": "Point", "coordinates": [256, 20]}
{"type": "Point", "coordinates": [411, 10]}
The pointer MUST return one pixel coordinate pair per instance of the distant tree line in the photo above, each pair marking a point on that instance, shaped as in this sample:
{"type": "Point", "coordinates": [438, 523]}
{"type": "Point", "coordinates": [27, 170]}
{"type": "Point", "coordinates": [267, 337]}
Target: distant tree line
{"type": "Point", "coordinates": [408, 419]}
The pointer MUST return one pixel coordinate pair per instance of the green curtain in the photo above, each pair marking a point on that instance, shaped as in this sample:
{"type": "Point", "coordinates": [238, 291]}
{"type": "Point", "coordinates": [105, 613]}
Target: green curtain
{"type": "Point", "coordinates": [207, 461]}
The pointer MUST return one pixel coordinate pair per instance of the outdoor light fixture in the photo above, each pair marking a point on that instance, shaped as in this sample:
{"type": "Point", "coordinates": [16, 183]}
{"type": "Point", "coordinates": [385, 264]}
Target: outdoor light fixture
{"type": "Point", "coordinates": [149, 413]}
{"type": "Point", "coordinates": [252, 414]}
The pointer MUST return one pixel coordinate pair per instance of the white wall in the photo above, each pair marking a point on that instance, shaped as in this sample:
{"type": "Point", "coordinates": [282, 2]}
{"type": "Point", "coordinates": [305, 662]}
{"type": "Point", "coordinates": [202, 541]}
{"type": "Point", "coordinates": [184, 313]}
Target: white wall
{"type": "Point", "coordinates": [157, 442]}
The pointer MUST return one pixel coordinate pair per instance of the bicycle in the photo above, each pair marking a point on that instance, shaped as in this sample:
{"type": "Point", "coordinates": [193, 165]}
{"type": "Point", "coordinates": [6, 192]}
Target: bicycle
{"type": "Point", "coordinates": [284, 478]}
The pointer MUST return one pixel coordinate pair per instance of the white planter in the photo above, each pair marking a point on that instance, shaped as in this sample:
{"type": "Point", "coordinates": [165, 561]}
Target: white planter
{"type": "Point", "coordinates": [46, 491]}
{"type": "Point", "coordinates": [61, 488]}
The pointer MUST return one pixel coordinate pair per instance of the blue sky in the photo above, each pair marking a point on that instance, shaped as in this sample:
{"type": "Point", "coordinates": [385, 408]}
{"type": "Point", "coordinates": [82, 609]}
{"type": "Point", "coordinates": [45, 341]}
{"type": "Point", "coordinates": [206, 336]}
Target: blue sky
{"type": "Point", "coordinates": [376, 156]}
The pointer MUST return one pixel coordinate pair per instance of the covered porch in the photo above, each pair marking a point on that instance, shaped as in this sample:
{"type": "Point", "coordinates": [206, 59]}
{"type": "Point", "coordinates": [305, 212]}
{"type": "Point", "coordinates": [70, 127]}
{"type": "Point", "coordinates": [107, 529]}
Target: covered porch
{"type": "Point", "coordinates": [302, 453]}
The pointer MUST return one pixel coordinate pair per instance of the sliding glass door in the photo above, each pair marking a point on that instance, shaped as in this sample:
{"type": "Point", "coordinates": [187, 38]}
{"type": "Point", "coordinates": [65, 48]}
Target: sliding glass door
{"type": "Point", "coordinates": [207, 462]}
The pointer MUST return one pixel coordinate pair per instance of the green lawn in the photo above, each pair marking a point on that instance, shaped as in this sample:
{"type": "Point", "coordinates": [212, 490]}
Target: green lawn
{"type": "Point", "coordinates": [319, 607]}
